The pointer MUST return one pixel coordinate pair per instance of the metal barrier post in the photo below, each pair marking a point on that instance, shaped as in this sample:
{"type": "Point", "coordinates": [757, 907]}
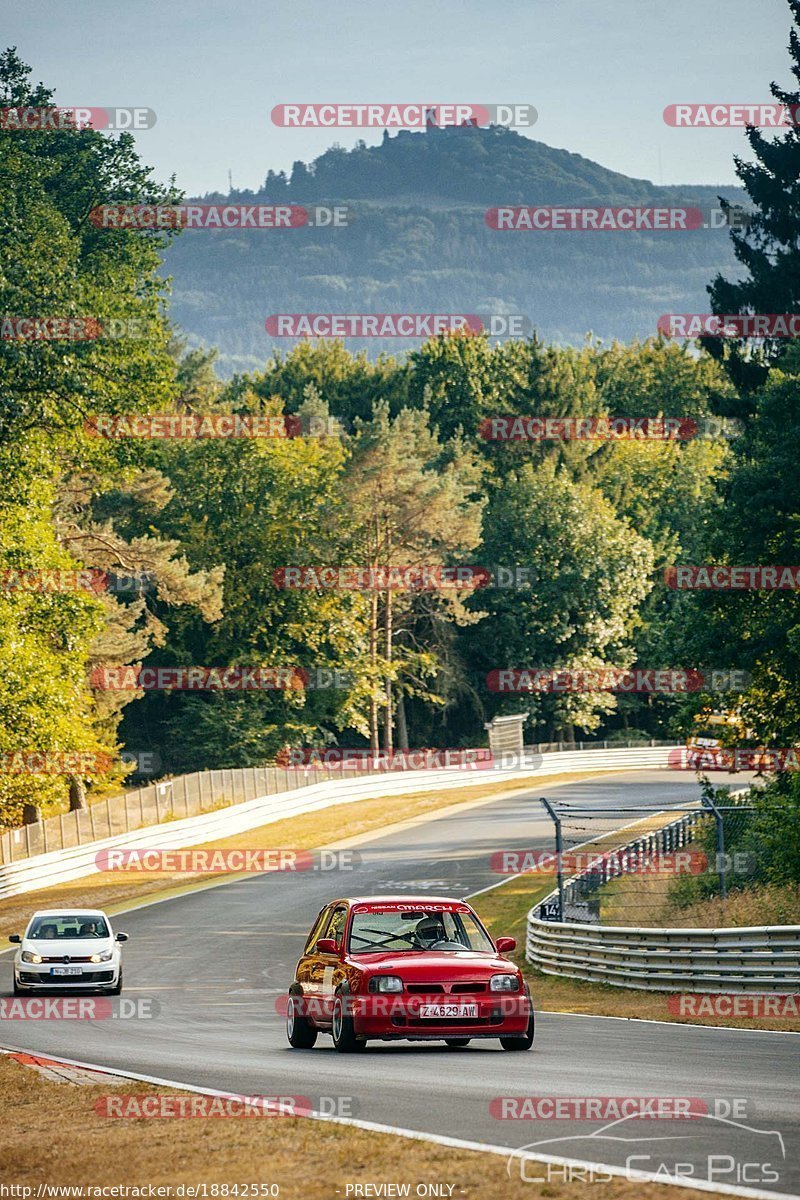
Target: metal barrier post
{"type": "Point", "coordinates": [559, 847]}
{"type": "Point", "coordinates": [723, 888]}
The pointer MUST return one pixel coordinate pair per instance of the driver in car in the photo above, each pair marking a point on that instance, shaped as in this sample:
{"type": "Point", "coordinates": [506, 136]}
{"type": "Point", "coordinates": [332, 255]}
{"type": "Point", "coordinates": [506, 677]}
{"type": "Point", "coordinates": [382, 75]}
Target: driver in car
{"type": "Point", "coordinates": [429, 931]}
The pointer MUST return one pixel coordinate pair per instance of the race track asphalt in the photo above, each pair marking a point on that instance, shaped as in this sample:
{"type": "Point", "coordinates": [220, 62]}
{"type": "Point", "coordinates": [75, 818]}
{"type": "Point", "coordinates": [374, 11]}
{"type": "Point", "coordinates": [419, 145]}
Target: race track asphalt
{"type": "Point", "coordinates": [218, 961]}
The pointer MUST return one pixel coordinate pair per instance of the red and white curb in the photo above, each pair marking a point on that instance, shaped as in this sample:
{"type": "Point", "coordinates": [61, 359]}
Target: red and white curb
{"type": "Point", "coordinates": [61, 1071]}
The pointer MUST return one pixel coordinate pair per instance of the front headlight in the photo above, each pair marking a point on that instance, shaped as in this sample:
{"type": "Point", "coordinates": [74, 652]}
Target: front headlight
{"type": "Point", "coordinates": [29, 956]}
{"type": "Point", "coordinates": [386, 983]}
{"type": "Point", "coordinates": [504, 983]}
{"type": "Point", "coordinates": [104, 956]}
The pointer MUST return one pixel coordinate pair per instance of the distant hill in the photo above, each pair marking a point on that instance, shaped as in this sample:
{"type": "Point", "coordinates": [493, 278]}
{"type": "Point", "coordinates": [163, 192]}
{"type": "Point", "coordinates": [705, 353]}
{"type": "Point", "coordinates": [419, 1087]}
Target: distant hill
{"type": "Point", "coordinates": [418, 242]}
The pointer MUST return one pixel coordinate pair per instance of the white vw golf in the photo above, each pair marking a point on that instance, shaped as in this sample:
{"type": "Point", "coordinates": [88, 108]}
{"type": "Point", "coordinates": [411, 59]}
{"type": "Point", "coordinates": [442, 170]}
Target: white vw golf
{"type": "Point", "coordinates": [68, 950]}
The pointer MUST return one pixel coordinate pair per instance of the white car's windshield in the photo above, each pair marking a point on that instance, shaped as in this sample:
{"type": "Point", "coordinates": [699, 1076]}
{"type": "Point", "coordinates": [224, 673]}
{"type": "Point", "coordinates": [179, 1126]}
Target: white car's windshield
{"type": "Point", "coordinates": [416, 929]}
{"type": "Point", "coordinates": [61, 928]}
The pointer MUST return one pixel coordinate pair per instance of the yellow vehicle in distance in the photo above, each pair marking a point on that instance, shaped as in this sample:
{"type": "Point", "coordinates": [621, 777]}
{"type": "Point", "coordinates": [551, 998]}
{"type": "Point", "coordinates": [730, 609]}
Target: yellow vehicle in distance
{"type": "Point", "coordinates": [708, 746]}
{"type": "Point", "coordinates": [704, 744]}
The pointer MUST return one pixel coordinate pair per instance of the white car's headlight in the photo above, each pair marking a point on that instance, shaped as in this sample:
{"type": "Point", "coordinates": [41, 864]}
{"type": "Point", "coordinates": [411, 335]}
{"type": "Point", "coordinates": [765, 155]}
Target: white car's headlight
{"type": "Point", "coordinates": [386, 983]}
{"type": "Point", "coordinates": [29, 956]}
{"type": "Point", "coordinates": [504, 983]}
{"type": "Point", "coordinates": [104, 956]}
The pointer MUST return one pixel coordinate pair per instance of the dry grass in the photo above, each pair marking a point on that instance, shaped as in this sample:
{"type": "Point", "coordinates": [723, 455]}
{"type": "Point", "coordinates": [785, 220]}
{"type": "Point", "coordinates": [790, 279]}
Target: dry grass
{"type": "Point", "coordinates": [649, 903]}
{"type": "Point", "coordinates": [115, 891]}
{"type": "Point", "coordinates": [52, 1135]}
{"type": "Point", "coordinates": [505, 909]}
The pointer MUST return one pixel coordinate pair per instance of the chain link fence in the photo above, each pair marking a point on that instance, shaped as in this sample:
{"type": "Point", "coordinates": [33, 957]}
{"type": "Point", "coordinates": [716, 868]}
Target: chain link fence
{"type": "Point", "coordinates": [633, 866]}
{"type": "Point", "coordinates": [167, 800]}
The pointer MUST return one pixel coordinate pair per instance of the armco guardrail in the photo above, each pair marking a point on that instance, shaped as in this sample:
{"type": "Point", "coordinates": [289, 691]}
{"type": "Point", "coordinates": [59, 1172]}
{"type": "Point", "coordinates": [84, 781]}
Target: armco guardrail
{"type": "Point", "coordinates": [755, 959]}
{"type": "Point", "coordinates": [304, 792]}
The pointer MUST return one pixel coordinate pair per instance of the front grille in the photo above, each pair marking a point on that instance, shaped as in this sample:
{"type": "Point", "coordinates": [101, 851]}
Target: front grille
{"type": "Point", "coordinates": [89, 977]}
{"type": "Point", "coordinates": [462, 987]}
{"type": "Point", "coordinates": [409, 1022]}
{"type": "Point", "coordinates": [64, 958]}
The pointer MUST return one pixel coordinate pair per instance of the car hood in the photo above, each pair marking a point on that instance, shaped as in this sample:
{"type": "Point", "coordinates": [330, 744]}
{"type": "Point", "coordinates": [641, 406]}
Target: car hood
{"type": "Point", "coordinates": [430, 965]}
{"type": "Point", "coordinates": [74, 947]}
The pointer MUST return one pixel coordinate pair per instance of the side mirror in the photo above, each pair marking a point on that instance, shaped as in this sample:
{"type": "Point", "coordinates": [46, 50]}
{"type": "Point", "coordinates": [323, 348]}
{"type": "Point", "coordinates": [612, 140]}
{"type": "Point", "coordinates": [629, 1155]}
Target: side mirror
{"type": "Point", "coordinates": [327, 946]}
{"type": "Point", "coordinates": [14, 937]}
{"type": "Point", "coordinates": [121, 937]}
{"type": "Point", "coordinates": [505, 945]}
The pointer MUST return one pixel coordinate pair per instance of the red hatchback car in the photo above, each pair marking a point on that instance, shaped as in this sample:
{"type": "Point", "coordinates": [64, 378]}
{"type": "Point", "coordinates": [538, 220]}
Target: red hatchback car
{"type": "Point", "coordinates": [421, 969]}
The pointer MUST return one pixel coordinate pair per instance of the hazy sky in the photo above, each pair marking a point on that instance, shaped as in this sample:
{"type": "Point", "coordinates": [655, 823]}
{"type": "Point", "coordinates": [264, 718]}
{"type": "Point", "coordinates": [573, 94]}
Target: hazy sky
{"type": "Point", "coordinates": [599, 72]}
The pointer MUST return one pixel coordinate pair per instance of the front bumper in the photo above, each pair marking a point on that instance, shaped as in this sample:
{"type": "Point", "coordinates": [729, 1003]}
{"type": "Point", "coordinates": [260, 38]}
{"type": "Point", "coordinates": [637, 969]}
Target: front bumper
{"type": "Point", "coordinates": [497, 1015]}
{"type": "Point", "coordinates": [38, 977]}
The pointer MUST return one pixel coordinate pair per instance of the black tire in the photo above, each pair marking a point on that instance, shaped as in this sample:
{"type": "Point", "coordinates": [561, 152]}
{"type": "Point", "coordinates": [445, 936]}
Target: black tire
{"type": "Point", "coordinates": [342, 1027]}
{"type": "Point", "coordinates": [457, 1043]}
{"type": "Point", "coordinates": [520, 1043]}
{"type": "Point", "coordinates": [18, 991]}
{"type": "Point", "coordinates": [116, 990]}
{"type": "Point", "coordinates": [301, 1033]}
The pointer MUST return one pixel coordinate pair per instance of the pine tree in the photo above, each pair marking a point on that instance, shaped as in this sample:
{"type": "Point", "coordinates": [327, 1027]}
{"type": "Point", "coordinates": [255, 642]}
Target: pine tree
{"type": "Point", "coordinates": [769, 248]}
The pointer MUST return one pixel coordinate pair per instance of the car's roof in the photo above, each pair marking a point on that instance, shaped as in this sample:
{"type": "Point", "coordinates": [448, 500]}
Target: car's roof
{"type": "Point", "coordinates": [69, 912]}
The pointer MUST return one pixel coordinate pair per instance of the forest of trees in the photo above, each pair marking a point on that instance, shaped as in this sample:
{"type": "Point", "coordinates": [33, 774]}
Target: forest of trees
{"type": "Point", "coordinates": [390, 469]}
{"type": "Point", "coordinates": [417, 241]}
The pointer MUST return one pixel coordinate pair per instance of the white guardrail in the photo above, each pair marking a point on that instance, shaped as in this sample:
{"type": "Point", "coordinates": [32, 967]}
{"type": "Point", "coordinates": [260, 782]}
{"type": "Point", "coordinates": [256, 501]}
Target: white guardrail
{"type": "Point", "coordinates": [760, 958]}
{"type": "Point", "coordinates": [59, 866]}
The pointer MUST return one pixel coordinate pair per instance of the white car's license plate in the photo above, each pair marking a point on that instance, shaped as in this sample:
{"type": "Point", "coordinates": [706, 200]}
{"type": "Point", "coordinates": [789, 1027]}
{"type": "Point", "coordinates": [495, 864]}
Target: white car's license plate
{"type": "Point", "coordinates": [66, 971]}
{"type": "Point", "coordinates": [456, 1011]}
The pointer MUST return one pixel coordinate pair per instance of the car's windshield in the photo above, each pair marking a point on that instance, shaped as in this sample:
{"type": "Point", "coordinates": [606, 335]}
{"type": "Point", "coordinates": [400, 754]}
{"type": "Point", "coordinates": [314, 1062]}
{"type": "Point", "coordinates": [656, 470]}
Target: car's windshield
{"type": "Point", "coordinates": [416, 929]}
{"type": "Point", "coordinates": [68, 926]}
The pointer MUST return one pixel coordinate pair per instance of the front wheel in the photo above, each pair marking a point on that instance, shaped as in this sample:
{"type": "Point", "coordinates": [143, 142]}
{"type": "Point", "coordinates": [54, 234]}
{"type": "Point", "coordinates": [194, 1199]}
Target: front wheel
{"type": "Point", "coordinates": [520, 1043]}
{"type": "Point", "coordinates": [342, 1027]}
{"type": "Point", "coordinates": [301, 1033]}
{"type": "Point", "coordinates": [18, 991]}
{"type": "Point", "coordinates": [116, 990]}
{"type": "Point", "coordinates": [456, 1043]}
